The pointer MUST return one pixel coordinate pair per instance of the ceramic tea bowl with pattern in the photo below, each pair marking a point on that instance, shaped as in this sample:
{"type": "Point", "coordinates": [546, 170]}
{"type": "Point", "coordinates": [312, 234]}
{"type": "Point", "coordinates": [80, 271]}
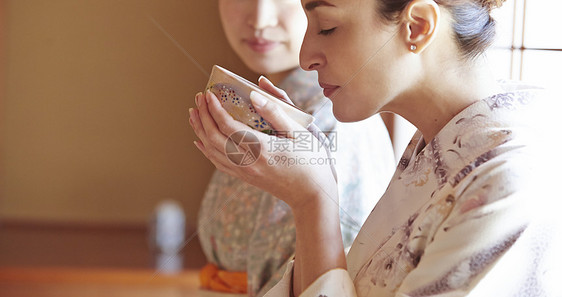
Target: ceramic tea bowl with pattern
{"type": "Point", "coordinates": [233, 92]}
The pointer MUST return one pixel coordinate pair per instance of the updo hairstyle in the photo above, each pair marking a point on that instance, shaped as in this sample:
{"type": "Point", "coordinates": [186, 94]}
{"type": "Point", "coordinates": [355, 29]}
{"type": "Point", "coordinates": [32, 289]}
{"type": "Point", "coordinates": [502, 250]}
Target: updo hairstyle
{"type": "Point", "coordinates": [473, 25]}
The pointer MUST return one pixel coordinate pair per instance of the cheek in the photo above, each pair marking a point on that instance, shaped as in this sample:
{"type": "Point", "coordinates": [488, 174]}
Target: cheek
{"type": "Point", "coordinates": [344, 59]}
{"type": "Point", "coordinates": [294, 21]}
{"type": "Point", "coordinates": [232, 17]}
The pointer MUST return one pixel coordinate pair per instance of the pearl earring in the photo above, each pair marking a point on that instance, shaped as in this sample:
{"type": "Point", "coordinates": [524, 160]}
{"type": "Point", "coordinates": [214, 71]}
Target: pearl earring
{"type": "Point", "coordinates": [413, 47]}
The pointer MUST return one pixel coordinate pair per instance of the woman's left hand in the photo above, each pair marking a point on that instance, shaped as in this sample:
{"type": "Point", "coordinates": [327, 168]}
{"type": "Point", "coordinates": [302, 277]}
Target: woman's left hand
{"type": "Point", "coordinates": [295, 176]}
{"type": "Point", "coordinates": [308, 188]}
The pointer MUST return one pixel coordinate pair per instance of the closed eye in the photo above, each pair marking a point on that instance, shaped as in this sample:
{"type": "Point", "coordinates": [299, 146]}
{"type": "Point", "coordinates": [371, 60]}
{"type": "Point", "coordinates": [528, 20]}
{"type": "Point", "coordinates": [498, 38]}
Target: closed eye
{"type": "Point", "coordinates": [327, 32]}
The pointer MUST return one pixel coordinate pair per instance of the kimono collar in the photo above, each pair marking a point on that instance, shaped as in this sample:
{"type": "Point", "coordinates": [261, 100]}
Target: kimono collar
{"type": "Point", "coordinates": [471, 136]}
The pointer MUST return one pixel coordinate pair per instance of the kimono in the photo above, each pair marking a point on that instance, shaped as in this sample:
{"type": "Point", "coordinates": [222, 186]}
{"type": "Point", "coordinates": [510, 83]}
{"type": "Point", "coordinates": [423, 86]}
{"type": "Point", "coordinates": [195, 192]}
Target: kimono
{"type": "Point", "coordinates": [463, 215]}
{"type": "Point", "coordinates": [242, 228]}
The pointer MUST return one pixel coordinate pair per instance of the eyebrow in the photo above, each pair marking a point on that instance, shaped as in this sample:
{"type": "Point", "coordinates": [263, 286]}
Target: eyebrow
{"type": "Point", "coordinates": [313, 4]}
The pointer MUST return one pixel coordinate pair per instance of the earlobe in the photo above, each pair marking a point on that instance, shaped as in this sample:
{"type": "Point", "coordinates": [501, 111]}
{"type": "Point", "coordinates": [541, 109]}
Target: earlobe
{"type": "Point", "coordinates": [421, 19]}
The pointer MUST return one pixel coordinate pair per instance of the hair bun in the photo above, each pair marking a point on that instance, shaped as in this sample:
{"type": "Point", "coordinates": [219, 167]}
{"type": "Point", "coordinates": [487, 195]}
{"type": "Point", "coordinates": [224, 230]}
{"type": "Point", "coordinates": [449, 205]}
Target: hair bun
{"type": "Point", "coordinates": [491, 4]}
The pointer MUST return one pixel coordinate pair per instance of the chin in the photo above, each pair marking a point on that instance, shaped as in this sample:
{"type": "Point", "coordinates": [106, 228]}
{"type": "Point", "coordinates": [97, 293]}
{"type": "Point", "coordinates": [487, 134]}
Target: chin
{"type": "Point", "coordinates": [346, 113]}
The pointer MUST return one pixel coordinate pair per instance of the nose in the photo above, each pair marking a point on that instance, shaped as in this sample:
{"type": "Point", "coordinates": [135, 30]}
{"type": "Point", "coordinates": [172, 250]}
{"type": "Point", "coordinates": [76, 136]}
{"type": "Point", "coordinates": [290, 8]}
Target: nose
{"type": "Point", "coordinates": [310, 57]}
{"type": "Point", "coordinates": [264, 14]}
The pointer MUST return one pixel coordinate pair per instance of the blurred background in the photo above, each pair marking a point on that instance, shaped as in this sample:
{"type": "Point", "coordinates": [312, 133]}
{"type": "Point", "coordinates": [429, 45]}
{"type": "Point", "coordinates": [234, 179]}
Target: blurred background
{"type": "Point", "coordinates": [93, 125]}
{"type": "Point", "coordinates": [93, 118]}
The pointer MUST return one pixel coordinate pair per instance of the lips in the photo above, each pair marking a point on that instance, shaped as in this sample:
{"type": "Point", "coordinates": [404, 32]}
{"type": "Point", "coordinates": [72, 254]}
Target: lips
{"type": "Point", "coordinates": [261, 45]}
{"type": "Point", "coordinates": [329, 90]}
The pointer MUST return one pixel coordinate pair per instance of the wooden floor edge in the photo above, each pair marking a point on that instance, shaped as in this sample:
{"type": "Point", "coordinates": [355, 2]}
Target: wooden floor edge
{"type": "Point", "coordinates": [188, 278]}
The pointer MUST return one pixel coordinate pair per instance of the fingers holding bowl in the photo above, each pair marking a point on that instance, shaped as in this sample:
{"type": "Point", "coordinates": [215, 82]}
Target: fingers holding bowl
{"type": "Point", "coordinates": [216, 155]}
{"type": "Point", "coordinates": [272, 113]}
{"type": "Point", "coordinates": [268, 86]}
{"type": "Point", "coordinates": [213, 135]}
{"type": "Point", "coordinates": [223, 140]}
{"type": "Point", "coordinates": [223, 121]}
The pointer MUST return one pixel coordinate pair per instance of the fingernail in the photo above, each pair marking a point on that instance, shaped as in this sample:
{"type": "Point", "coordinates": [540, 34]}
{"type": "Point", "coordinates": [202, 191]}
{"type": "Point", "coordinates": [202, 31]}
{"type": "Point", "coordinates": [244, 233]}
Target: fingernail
{"type": "Point", "coordinates": [198, 145]}
{"type": "Point", "coordinates": [257, 99]}
{"type": "Point", "coordinates": [261, 77]}
{"type": "Point", "coordinates": [197, 98]}
{"type": "Point", "coordinates": [190, 113]}
{"type": "Point", "coordinates": [208, 96]}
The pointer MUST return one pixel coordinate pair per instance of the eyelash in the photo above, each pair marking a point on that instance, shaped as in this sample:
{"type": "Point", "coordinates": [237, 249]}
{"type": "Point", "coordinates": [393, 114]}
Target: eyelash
{"type": "Point", "coordinates": [327, 32]}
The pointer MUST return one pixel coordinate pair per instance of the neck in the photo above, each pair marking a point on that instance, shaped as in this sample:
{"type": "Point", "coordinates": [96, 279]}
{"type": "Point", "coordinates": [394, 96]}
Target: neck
{"type": "Point", "coordinates": [434, 102]}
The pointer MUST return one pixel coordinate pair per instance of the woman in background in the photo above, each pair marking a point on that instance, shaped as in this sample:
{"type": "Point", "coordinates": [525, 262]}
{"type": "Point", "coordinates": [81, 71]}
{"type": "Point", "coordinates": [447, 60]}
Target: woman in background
{"type": "Point", "coordinates": [466, 213]}
{"type": "Point", "coordinates": [246, 233]}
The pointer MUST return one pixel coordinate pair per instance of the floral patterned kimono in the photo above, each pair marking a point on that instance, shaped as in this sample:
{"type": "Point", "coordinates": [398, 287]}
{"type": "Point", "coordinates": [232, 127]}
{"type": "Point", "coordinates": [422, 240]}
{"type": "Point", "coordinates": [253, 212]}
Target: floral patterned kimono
{"type": "Point", "coordinates": [242, 228]}
{"type": "Point", "coordinates": [459, 216]}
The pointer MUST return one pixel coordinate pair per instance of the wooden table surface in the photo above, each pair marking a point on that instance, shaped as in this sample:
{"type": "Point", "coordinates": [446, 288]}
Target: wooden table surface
{"type": "Point", "coordinates": [85, 282]}
{"type": "Point", "coordinates": [62, 260]}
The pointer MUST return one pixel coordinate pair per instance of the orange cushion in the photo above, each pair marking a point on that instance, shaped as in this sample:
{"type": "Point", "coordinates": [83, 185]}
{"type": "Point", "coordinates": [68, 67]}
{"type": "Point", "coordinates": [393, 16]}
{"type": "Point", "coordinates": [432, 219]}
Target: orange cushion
{"type": "Point", "coordinates": [214, 279]}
